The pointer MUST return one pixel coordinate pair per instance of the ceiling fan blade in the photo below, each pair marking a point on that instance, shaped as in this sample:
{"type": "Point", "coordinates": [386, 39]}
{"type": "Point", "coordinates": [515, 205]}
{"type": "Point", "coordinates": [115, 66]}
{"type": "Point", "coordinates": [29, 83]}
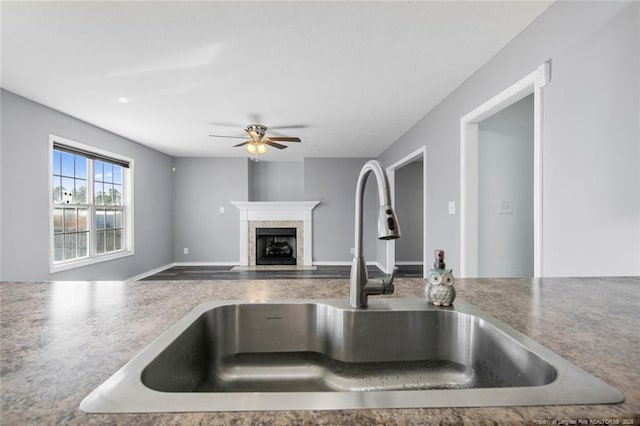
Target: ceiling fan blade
{"type": "Point", "coordinates": [225, 136]}
{"type": "Point", "coordinates": [242, 144]}
{"type": "Point", "coordinates": [284, 139]}
{"type": "Point", "coordinates": [275, 145]}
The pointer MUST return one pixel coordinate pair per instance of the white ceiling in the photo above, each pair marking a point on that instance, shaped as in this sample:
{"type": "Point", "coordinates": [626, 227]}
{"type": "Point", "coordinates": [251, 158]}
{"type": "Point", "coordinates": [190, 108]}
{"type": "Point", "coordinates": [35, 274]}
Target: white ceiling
{"type": "Point", "coordinates": [350, 77]}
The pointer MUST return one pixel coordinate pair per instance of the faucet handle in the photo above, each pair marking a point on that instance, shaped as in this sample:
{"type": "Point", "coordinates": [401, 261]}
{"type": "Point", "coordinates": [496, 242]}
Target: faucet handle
{"type": "Point", "coordinates": [393, 273]}
{"type": "Point", "coordinates": [388, 286]}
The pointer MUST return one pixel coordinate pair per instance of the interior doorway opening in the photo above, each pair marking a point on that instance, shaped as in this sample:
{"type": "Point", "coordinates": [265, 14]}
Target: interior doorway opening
{"type": "Point", "coordinates": [505, 192]}
{"type": "Point", "coordinates": [408, 184]}
{"type": "Point", "coordinates": [469, 167]}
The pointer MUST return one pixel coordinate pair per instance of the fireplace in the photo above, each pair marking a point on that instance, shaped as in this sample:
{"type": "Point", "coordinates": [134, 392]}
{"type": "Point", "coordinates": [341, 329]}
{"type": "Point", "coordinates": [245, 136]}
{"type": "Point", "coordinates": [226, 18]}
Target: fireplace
{"type": "Point", "coordinates": [275, 214]}
{"type": "Point", "coordinates": [276, 246]}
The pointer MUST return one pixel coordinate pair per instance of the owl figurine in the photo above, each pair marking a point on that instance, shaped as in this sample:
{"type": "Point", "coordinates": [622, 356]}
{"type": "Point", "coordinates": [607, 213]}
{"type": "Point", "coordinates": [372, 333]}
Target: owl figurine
{"type": "Point", "coordinates": [439, 290]}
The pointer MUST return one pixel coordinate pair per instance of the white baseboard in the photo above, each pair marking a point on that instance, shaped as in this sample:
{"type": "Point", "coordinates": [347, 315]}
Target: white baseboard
{"type": "Point", "coordinates": [409, 262]}
{"type": "Point", "coordinates": [151, 272]}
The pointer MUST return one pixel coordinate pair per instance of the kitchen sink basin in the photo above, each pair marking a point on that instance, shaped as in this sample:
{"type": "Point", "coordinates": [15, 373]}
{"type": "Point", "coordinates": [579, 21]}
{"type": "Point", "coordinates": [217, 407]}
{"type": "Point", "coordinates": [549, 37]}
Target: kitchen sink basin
{"type": "Point", "coordinates": [233, 356]}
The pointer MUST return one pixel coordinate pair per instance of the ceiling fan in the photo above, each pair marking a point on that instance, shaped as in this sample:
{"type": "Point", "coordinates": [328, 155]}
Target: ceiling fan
{"type": "Point", "coordinates": [258, 142]}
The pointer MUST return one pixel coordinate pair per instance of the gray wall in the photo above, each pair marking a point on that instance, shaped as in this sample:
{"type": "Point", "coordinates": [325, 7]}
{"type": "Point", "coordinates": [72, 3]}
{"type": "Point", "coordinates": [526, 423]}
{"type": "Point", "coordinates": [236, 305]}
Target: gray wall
{"type": "Point", "coordinates": [332, 181]}
{"type": "Point", "coordinates": [250, 180]}
{"type": "Point", "coordinates": [409, 203]}
{"type": "Point", "coordinates": [26, 127]}
{"type": "Point", "coordinates": [203, 185]}
{"type": "Point", "coordinates": [213, 237]}
{"type": "Point", "coordinates": [277, 181]}
{"type": "Point", "coordinates": [591, 159]}
{"type": "Point", "coordinates": [505, 172]}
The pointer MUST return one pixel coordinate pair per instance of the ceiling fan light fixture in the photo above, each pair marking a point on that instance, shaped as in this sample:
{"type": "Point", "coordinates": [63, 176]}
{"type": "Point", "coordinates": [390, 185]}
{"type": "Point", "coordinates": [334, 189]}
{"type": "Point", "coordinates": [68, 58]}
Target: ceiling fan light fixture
{"type": "Point", "coordinates": [251, 148]}
{"type": "Point", "coordinates": [259, 141]}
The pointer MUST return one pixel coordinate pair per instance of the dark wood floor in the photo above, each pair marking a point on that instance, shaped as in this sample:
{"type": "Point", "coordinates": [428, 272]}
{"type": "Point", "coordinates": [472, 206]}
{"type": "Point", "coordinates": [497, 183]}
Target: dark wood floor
{"type": "Point", "coordinates": [225, 273]}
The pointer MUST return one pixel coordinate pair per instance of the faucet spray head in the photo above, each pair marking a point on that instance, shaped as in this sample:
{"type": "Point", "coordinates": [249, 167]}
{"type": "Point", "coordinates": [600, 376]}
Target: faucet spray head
{"type": "Point", "coordinates": [388, 227]}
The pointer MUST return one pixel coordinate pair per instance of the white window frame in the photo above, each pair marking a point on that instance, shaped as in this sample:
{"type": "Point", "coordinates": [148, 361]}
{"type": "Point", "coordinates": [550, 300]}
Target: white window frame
{"type": "Point", "coordinates": [127, 185]}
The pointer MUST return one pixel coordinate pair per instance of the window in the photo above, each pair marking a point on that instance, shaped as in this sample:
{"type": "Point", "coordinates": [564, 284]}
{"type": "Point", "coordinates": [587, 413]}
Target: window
{"type": "Point", "coordinates": [91, 212]}
{"type": "Point", "coordinates": [109, 224]}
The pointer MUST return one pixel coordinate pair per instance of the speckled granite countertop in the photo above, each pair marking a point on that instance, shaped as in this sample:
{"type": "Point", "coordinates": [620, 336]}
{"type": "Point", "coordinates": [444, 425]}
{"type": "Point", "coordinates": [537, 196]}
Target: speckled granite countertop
{"type": "Point", "coordinates": [61, 340]}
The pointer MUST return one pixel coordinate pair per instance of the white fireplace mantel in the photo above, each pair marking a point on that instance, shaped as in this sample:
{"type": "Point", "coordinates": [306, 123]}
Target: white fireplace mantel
{"type": "Point", "coordinates": [275, 211]}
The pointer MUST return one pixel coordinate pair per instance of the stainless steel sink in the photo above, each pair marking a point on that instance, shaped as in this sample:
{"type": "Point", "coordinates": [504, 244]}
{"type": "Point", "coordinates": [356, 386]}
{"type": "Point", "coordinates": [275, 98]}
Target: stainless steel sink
{"type": "Point", "coordinates": [232, 356]}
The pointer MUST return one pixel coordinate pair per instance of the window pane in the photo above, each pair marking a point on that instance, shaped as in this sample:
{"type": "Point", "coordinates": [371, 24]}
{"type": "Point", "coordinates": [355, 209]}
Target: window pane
{"type": "Point", "coordinates": [70, 246]}
{"type": "Point", "coordinates": [97, 170]}
{"type": "Point", "coordinates": [57, 221]}
{"type": "Point", "coordinates": [57, 189]}
{"type": "Point", "coordinates": [56, 162]}
{"type": "Point", "coordinates": [83, 219]}
{"type": "Point", "coordinates": [108, 172]}
{"type": "Point", "coordinates": [110, 220]}
{"type": "Point", "coordinates": [118, 243]}
{"type": "Point", "coordinates": [80, 195]}
{"type": "Point", "coordinates": [100, 221]}
{"type": "Point", "coordinates": [108, 194]}
{"type": "Point", "coordinates": [58, 247]}
{"type": "Point", "coordinates": [100, 242]}
{"type": "Point", "coordinates": [81, 167]}
{"type": "Point", "coordinates": [117, 175]}
{"type": "Point", "coordinates": [119, 223]}
{"type": "Point", "coordinates": [117, 195]}
{"type": "Point", "coordinates": [110, 240]}
{"type": "Point", "coordinates": [67, 190]}
{"type": "Point", "coordinates": [98, 190]}
{"type": "Point", "coordinates": [67, 164]}
{"type": "Point", "coordinates": [70, 220]}
{"type": "Point", "coordinates": [83, 246]}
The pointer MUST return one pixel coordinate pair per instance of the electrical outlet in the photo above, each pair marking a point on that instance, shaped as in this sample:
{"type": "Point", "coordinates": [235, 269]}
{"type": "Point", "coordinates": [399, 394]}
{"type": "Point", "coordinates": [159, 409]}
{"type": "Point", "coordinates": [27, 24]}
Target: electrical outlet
{"type": "Point", "coordinates": [221, 209]}
{"type": "Point", "coordinates": [186, 250]}
{"type": "Point", "coordinates": [452, 207]}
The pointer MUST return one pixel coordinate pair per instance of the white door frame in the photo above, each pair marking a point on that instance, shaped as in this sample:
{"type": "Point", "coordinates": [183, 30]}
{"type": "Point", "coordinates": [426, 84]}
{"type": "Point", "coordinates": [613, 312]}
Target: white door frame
{"type": "Point", "coordinates": [532, 83]}
{"type": "Point", "coordinates": [390, 258]}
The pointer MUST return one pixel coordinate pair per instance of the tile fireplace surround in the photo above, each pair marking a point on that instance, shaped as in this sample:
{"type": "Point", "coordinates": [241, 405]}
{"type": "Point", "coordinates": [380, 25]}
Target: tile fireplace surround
{"type": "Point", "coordinates": [275, 214]}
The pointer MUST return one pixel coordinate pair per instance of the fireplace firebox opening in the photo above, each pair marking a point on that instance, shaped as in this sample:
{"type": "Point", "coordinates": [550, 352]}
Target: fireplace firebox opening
{"type": "Point", "coordinates": [276, 246]}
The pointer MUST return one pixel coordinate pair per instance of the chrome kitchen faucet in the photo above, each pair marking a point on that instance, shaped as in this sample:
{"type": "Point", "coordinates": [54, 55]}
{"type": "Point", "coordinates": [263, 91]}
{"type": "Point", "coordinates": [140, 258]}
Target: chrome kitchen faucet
{"type": "Point", "coordinates": [388, 229]}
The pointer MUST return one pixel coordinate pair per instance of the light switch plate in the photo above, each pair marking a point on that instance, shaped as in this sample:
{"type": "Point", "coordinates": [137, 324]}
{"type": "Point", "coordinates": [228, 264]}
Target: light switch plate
{"type": "Point", "coordinates": [452, 207]}
{"type": "Point", "coordinates": [505, 207]}
{"type": "Point", "coordinates": [221, 209]}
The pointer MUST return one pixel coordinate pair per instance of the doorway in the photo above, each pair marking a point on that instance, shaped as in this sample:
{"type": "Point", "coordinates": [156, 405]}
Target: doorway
{"type": "Point", "coordinates": [469, 168]}
{"type": "Point", "coordinates": [408, 184]}
{"type": "Point", "coordinates": [505, 192]}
